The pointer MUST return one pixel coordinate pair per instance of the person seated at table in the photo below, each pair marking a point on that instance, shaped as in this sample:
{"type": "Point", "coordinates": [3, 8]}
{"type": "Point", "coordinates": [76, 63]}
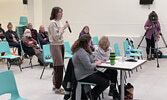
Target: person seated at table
{"type": "Point", "coordinates": [85, 66]}
{"type": "Point", "coordinates": [30, 46]}
{"type": "Point", "coordinates": [103, 53]}
{"type": "Point", "coordinates": [85, 30]}
{"type": "Point", "coordinates": [43, 36]}
{"type": "Point", "coordinates": [33, 31]}
{"type": "Point", "coordinates": [12, 38]}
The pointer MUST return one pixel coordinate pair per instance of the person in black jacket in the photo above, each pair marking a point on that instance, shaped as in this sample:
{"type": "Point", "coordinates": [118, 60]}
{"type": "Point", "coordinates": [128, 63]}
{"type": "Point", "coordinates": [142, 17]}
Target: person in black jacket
{"type": "Point", "coordinates": [43, 36]}
{"type": "Point", "coordinates": [12, 38]}
{"type": "Point", "coordinates": [2, 33]}
{"type": "Point", "coordinates": [33, 31]}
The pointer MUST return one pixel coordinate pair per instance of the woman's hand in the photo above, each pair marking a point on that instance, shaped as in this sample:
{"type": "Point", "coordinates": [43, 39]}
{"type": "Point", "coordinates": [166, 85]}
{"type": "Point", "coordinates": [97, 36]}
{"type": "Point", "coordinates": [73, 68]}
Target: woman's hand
{"type": "Point", "coordinates": [97, 63]}
{"type": "Point", "coordinates": [103, 61]}
{"type": "Point", "coordinates": [65, 26]}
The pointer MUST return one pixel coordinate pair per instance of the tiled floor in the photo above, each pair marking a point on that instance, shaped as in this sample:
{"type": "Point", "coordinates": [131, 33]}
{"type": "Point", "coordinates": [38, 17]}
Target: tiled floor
{"type": "Point", "coordinates": [149, 82]}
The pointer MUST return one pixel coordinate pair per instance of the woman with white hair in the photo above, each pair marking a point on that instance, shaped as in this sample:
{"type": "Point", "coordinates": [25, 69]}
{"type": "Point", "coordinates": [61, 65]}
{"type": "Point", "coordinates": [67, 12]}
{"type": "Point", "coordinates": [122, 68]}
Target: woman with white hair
{"type": "Point", "coordinates": [30, 45]}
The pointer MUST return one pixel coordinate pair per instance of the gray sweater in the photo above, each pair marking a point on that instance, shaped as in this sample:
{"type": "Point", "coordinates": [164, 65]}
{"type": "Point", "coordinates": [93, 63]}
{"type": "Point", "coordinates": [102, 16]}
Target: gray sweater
{"type": "Point", "coordinates": [83, 64]}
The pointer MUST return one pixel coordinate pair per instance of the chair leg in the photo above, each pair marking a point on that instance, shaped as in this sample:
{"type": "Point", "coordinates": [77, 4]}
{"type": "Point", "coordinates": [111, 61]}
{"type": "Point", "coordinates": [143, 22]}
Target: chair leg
{"type": "Point", "coordinates": [102, 95]}
{"type": "Point", "coordinates": [136, 70]}
{"type": "Point", "coordinates": [8, 65]}
{"type": "Point", "coordinates": [129, 73]}
{"type": "Point", "coordinates": [20, 68]}
{"type": "Point", "coordinates": [42, 72]}
{"type": "Point", "coordinates": [31, 63]}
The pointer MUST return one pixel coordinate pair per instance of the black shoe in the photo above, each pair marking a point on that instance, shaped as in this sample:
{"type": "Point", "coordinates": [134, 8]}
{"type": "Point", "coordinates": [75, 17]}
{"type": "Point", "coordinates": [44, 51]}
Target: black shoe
{"type": "Point", "coordinates": [110, 93]}
{"type": "Point", "coordinates": [149, 57]}
{"type": "Point", "coordinates": [116, 95]}
{"type": "Point", "coordinates": [152, 57]}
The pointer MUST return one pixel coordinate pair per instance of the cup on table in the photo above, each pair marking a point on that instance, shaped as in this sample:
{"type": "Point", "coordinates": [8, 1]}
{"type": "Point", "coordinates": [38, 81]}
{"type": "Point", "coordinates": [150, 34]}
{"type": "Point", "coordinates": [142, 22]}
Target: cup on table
{"type": "Point", "coordinates": [112, 58]}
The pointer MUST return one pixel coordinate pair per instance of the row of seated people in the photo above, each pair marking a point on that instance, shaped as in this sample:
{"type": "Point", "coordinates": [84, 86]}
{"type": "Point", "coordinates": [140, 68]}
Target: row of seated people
{"type": "Point", "coordinates": [12, 38]}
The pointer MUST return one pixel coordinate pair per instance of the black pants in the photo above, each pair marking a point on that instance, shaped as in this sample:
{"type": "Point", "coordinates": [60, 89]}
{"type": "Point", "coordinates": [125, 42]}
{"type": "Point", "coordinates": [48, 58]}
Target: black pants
{"type": "Point", "coordinates": [17, 45]}
{"type": "Point", "coordinates": [101, 83]}
{"type": "Point", "coordinates": [112, 75]}
{"type": "Point", "coordinates": [150, 44]}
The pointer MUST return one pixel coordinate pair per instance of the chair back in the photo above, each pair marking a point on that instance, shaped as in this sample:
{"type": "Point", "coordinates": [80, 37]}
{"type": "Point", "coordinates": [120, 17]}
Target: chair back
{"type": "Point", "coordinates": [4, 47]}
{"type": "Point", "coordinates": [23, 20]}
{"type": "Point", "coordinates": [22, 51]}
{"type": "Point", "coordinates": [95, 40]}
{"type": "Point", "coordinates": [39, 43]}
{"type": "Point", "coordinates": [116, 48]}
{"type": "Point", "coordinates": [46, 51]}
{"type": "Point", "coordinates": [8, 84]}
{"type": "Point", "coordinates": [67, 47]}
{"type": "Point", "coordinates": [126, 46]}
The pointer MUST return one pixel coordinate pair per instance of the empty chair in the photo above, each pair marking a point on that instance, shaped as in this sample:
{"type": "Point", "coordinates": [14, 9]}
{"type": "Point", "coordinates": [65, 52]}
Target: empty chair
{"type": "Point", "coordinates": [136, 50]}
{"type": "Point", "coordinates": [22, 26]}
{"type": "Point", "coordinates": [46, 53]}
{"type": "Point", "coordinates": [95, 41]}
{"type": "Point", "coordinates": [4, 47]}
{"type": "Point", "coordinates": [126, 46]}
{"type": "Point", "coordinates": [116, 48]}
{"type": "Point", "coordinates": [8, 85]}
{"type": "Point", "coordinates": [67, 49]}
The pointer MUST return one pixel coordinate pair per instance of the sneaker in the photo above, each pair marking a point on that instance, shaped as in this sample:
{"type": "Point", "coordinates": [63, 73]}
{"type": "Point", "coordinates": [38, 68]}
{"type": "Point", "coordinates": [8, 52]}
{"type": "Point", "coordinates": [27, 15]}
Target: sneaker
{"type": "Point", "coordinates": [60, 91]}
{"type": "Point", "coordinates": [152, 57]}
{"type": "Point", "coordinates": [116, 95]}
{"type": "Point", "coordinates": [149, 57]}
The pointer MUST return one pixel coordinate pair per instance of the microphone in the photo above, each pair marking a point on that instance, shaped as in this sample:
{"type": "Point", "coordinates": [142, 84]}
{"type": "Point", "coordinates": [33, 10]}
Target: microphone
{"type": "Point", "coordinates": [69, 27]}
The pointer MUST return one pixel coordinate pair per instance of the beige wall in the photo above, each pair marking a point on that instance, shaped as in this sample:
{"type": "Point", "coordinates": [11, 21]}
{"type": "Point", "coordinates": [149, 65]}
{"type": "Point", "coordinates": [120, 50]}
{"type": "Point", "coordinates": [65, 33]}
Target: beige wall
{"type": "Point", "coordinates": [104, 17]}
{"type": "Point", "coordinates": [11, 10]}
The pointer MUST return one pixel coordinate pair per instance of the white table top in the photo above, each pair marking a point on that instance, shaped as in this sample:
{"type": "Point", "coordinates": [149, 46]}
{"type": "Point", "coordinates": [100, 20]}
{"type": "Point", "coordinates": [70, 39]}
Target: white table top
{"type": "Point", "coordinates": [119, 65]}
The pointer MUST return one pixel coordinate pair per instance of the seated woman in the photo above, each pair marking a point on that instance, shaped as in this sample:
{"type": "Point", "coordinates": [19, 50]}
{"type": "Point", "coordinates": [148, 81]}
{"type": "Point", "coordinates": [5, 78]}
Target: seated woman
{"type": "Point", "coordinates": [43, 36]}
{"type": "Point", "coordinates": [12, 38]}
{"type": "Point", "coordinates": [85, 67]}
{"type": "Point", "coordinates": [30, 46]}
{"type": "Point", "coordinates": [103, 53]}
{"type": "Point", "coordinates": [85, 30]}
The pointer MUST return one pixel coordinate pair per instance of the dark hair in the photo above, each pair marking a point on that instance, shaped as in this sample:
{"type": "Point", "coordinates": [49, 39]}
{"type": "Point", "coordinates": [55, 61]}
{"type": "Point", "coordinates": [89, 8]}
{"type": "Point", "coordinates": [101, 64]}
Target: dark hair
{"type": "Point", "coordinates": [54, 12]}
{"type": "Point", "coordinates": [83, 30]}
{"type": "Point", "coordinates": [151, 15]}
{"type": "Point", "coordinates": [0, 24]}
{"type": "Point", "coordinates": [82, 42]}
{"type": "Point", "coordinates": [9, 24]}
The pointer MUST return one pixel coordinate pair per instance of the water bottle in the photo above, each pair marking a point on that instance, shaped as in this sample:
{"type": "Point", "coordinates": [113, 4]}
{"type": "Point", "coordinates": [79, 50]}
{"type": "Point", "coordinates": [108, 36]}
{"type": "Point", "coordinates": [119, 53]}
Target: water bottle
{"type": "Point", "coordinates": [128, 53]}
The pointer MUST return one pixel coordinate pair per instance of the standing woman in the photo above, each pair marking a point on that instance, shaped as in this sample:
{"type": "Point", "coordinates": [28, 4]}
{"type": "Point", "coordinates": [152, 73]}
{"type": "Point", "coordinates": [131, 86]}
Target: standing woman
{"type": "Point", "coordinates": [56, 31]}
{"type": "Point", "coordinates": [152, 27]}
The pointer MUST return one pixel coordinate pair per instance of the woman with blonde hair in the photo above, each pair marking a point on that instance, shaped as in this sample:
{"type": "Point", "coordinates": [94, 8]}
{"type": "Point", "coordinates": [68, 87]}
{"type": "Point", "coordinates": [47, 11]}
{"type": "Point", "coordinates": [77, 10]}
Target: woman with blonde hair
{"type": "Point", "coordinates": [103, 53]}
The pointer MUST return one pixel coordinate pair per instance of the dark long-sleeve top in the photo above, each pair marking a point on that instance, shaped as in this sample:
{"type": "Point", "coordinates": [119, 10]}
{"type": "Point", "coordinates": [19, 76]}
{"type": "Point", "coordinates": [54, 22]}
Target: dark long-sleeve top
{"type": "Point", "coordinates": [9, 36]}
{"type": "Point", "coordinates": [150, 31]}
{"type": "Point", "coordinates": [30, 42]}
{"type": "Point", "coordinates": [91, 46]}
{"type": "Point", "coordinates": [41, 37]}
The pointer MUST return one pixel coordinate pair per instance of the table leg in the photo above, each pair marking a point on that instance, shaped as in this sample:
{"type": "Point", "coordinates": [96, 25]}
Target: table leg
{"type": "Point", "coordinates": [122, 84]}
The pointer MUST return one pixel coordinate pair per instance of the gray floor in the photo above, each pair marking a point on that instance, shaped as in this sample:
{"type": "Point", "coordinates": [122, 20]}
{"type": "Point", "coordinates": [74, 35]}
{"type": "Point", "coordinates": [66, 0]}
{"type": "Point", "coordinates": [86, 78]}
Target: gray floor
{"type": "Point", "coordinates": [149, 82]}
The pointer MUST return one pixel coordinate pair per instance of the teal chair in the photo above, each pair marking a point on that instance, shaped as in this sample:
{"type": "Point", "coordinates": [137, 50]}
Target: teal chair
{"type": "Point", "coordinates": [46, 52]}
{"type": "Point", "coordinates": [8, 85]}
{"type": "Point", "coordinates": [95, 41]}
{"type": "Point", "coordinates": [39, 43]}
{"type": "Point", "coordinates": [22, 26]}
{"type": "Point", "coordinates": [67, 49]}
{"type": "Point", "coordinates": [136, 50]}
{"type": "Point", "coordinates": [126, 46]}
{"type": "Point", "coordinates": [4, 47]}
{"type": "Point", "coordinates": [116, 48]}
